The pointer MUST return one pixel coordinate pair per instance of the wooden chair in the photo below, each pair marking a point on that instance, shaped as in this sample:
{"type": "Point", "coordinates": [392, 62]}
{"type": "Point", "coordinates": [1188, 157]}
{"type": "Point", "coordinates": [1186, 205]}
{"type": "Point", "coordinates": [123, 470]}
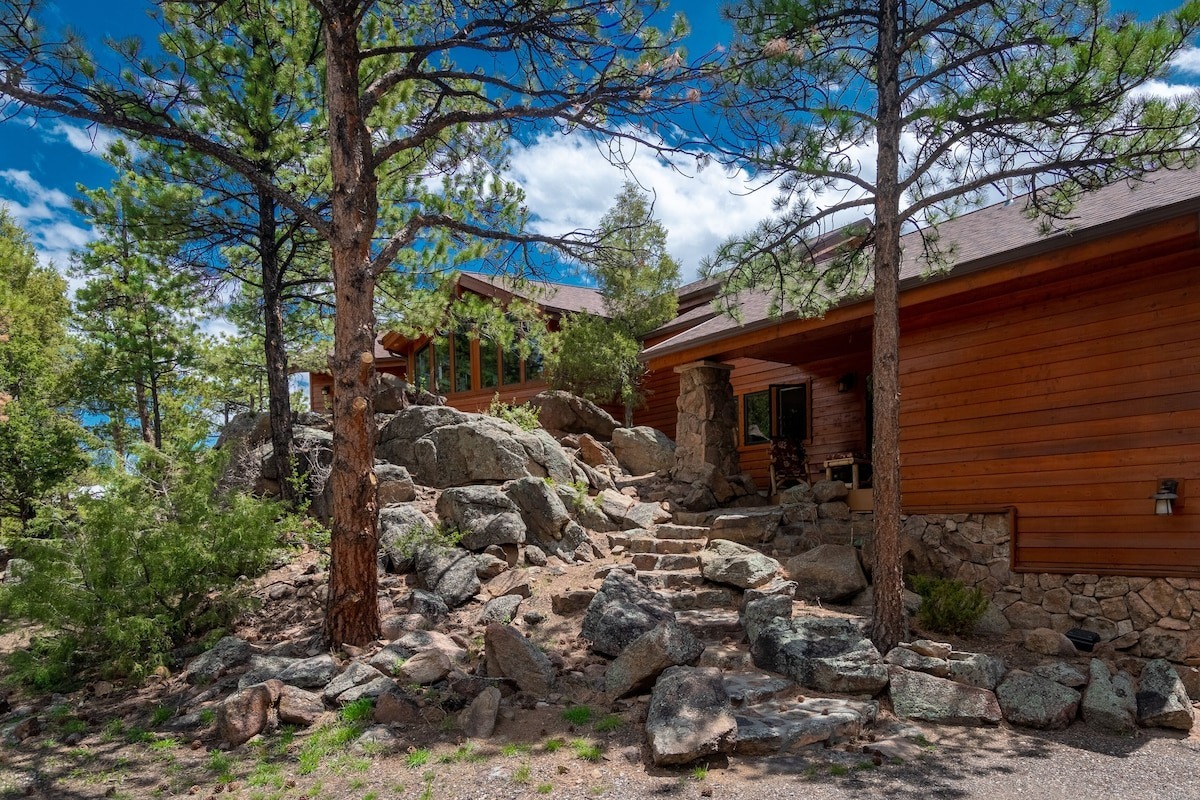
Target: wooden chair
{"type": "Point", "coordinates": [788, 465]}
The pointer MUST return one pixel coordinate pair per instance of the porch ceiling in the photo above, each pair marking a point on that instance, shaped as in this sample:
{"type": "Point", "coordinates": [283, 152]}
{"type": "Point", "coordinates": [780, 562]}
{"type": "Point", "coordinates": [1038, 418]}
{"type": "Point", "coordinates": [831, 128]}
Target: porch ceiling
{"type": "Point", "coordinates": [805, 346]}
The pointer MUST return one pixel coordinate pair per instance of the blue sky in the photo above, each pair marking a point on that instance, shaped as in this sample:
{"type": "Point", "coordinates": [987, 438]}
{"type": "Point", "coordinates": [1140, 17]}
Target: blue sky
{"type": "Point", "coordinates": [40, 164]}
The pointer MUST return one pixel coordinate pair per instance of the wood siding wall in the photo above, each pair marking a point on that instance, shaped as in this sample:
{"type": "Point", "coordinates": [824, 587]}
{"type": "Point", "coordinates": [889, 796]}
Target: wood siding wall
{"type": "Point", "coordinates": [661, 389]}
{"type": "Point", "coordinates": [1067, 398]}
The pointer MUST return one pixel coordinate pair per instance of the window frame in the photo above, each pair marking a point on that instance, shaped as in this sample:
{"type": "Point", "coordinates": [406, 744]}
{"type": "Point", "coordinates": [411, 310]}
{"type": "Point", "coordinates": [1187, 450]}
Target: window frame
{"type": "Point", "coordinates": [774, 427]}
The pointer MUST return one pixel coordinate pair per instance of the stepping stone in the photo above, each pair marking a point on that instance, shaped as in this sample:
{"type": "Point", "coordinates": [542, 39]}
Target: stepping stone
{"type": "Point", "coordinates": [649, 561]}
{"type": "Point", "coordinates": [667, 579]}
{"type": "Point", "coordinates": [782, 726]}
{"type": "Point", "coordinates": [749, 687]}
{"type": "Point", "coordinates": [669, 530]}
{"type": "Point", "coordinates": [678, 546]}
{"type": "Point", "coordinates": [711, 623]}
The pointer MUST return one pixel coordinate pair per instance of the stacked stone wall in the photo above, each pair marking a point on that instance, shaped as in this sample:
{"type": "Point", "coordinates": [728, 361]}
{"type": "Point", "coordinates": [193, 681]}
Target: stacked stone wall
{"type": "Point", "coordinates": [1147, 617]}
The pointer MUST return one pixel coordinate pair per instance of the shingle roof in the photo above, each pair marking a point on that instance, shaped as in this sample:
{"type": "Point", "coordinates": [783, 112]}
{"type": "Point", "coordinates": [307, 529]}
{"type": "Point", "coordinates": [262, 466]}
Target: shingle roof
{"type": "Point", "coordinates": [554, 296]}
{"type": "Point", "coordinates": [991, 236]}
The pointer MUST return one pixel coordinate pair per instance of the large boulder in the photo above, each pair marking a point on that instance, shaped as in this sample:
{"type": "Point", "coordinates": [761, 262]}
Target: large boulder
{"type": "Point", "coordinates": [737, 565]}
{"type": "Point", "coordinates": [627, 513]}
{"type": "Point", "coordinates": [397, 440]}
{"type": "Point", "coordinates": [829, 654]}
{"type": "Point", "coordinates": [304, 673]}
{"type": "Point", "coordinates": [444, 447]}
{"type": "Point", "coordinates": [483, 514]}
{"type": "Point", "coordinates": [977, 669]}
{"type": "Point", "coordinates": [667, 645]}
{"type": "Point", "coordinates": [247, 712]}
{"type": "Point", "coordinates": [643, 450]}
{"type": "Point", "coordinates": [690, 716]}
{"type": "Point", "coordinates": [830, 572]}
{"type": "Point", "coordinates": [448, 572]}
{"type": "Point", "coordinates": [594, 454]}
{"type": "Point", "coordinates": [298, 707]}
{"type": "Point", "coordinates": [478, 720]}
{"type": "Point", "coordinates": [562, 412]}
{"type": "Point", "coordinates": [1109, 703]}
{"type": "Point", "coordinates": [622, 610]}
{"type": "Point", "coordinates": [395, 394]}
{"type": "Point", "coordinates": [244, 432]}
{"type": "Point", "coordinates": [1035, 702]}
{"type": "Point", "coordinates": [540, 507]}
{"type": "Point", "coordinates": [395, 484]}
{"type": "Point", "coordinates": [402, 529]}
{"type": "Point", "coordinates": [748, 525]}
{"type": "Point", "coordinates": [227, 653]}
{"type": "Point", "coordinates": [510, 655]}
{"type": "Point", "coordinates": [916, 695]}
{"type": "Point", "coordinates": [481, 450]}
{"type": "Point", "coordinates": [1162, 700]}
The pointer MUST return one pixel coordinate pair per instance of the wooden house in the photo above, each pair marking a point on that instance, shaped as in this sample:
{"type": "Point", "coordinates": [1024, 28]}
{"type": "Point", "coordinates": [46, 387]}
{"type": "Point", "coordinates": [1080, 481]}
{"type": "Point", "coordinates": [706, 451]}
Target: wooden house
{"type": "Point", "coordinates": [1054, 376]}
{"type": "Point", "coordinates": [469, 372]}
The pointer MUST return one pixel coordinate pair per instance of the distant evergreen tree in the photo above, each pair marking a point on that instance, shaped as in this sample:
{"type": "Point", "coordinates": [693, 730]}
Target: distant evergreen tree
{"type": "Point", "coordinates": [595, 357]}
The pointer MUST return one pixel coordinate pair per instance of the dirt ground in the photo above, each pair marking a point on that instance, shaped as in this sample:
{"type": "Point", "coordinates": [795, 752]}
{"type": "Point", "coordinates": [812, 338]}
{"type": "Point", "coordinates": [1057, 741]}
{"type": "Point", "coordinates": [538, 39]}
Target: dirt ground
{"type": "Point", "coordinates": [158, 741]}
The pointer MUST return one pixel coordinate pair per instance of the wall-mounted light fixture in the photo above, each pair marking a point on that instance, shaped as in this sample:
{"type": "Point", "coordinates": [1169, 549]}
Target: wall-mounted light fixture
{"type": "Point", "coordinates": [1164, 499]}
{"type": "Point", "coordinates": [846, 383]}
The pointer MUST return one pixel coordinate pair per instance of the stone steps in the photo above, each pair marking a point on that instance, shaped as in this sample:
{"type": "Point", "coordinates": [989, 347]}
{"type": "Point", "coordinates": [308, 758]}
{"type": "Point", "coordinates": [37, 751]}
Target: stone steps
{"type": "Point", "coordinates": [712, 624]}
{"type": "Point", "coordinates": [669, 579]}
{"type": "Point", "coordinates": [700, 598]}
{"type": "Point", "coordinates": [651, 544]}
{"type": "Point", "coordinates": [670, 530]}
{"type": "Point", "coordinates": [652, 562]}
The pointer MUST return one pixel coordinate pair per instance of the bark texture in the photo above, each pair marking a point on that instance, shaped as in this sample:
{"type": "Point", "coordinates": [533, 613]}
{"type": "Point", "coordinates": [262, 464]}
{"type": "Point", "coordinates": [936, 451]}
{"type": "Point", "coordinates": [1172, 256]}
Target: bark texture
{"type": "Point", "coordinates": [887, 624]}
{"type": "Point", "coordinates": [352, 612]}
{"type": "Point", "coordinates": [279, 403]}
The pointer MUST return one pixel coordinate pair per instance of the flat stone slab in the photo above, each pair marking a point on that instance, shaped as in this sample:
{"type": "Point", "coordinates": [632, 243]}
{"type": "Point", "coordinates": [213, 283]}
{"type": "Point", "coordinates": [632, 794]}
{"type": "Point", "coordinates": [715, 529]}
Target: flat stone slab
{"type": "Point", "coordinates": [782, 726]}
{"type": "Point", "coordinates": [669, 530]}
{"type": "Point", "coordinates": [747, 687]}
{"type": "Point", "coordinates": [711, 623]}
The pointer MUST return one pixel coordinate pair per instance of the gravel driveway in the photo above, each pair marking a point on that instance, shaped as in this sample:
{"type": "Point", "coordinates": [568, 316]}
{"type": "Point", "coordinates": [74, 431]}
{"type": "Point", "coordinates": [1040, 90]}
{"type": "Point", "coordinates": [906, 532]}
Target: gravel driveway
{"type": "Point", "coordinates": [990, 765]}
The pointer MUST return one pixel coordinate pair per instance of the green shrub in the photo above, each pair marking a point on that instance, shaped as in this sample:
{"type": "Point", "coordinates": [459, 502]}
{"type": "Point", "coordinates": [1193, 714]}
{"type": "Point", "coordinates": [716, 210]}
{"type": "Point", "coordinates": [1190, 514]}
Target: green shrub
{"type": "Point", "coordinates": [947, 605]}
{"type": "Point", "coordinates": [524, 415]}
{"type": "Point", "coordinates": [123, 577]}
{"type": "Point", "coordinates": [418, 537]}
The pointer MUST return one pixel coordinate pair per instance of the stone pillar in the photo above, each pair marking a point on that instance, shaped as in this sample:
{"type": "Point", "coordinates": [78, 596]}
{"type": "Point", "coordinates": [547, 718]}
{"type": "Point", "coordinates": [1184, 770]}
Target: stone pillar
{"type": "Point", "coordinates": [706, 432]}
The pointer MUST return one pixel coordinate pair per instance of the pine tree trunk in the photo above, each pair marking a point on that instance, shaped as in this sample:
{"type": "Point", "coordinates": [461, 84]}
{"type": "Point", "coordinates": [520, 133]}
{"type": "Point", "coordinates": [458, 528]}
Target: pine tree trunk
{"type": "Point", "coordinates": [154, 404]}
{"type": "Point", "coordinates": [888, 624]}
{"type": "Point", "coordinates": [352, 611]}
{"type": "Point", "coordinates": [279, 400]}
{"type": "Point", "coordinates": [143, 412]}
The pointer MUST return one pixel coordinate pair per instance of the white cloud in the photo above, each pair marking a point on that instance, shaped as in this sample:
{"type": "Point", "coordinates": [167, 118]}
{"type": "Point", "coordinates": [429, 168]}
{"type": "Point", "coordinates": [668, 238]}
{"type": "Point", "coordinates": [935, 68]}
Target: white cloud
{"type": "Point", "coordinates": [45, 213]}
{"type": "Point", "coordinates": [1187, 61]}
{"type": "Point", "coordinates": [1164, 90]}
{"type": "Point", "coordinates": [218, 327]}
{"type": "Point", "coordinates": [569, 185]}
{"type": "Point", "coordinates": [92, 139]}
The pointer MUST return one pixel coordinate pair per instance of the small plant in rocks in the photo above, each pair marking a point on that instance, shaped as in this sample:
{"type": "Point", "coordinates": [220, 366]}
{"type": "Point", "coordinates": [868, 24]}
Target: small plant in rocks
{"type": "Point", "coordinates": [947, 605]}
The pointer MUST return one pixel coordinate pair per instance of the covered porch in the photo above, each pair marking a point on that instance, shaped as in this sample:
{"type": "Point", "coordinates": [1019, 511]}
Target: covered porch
{"type": "Point", "coordinates": [798, 387]}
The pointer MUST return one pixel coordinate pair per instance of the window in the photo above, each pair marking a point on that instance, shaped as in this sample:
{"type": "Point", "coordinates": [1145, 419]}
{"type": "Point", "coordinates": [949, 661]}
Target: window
{"type": "Point", "coordinates": [533, 364]}
{"type": "Point", "coordinates": [756, 417]}
{"type": "Point", "coordinates": [441, 367]}
{"type": "Point", "coordinates": [511, 370]}
{"type": "Point", "coordinates": [779, 411]}
{"type": "Point", "coordinates": [489, 364]}
{"type": "Point", "coordinates": [462, 363]}
{"type": "Point", "coordinates": [421, 375]}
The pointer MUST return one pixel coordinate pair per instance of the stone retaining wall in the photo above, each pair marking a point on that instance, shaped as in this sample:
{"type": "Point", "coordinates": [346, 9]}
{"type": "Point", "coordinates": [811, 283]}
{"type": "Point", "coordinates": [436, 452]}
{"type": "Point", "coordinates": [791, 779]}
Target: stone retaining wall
{"type": "Point", "coordinates": [1147, 617]}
